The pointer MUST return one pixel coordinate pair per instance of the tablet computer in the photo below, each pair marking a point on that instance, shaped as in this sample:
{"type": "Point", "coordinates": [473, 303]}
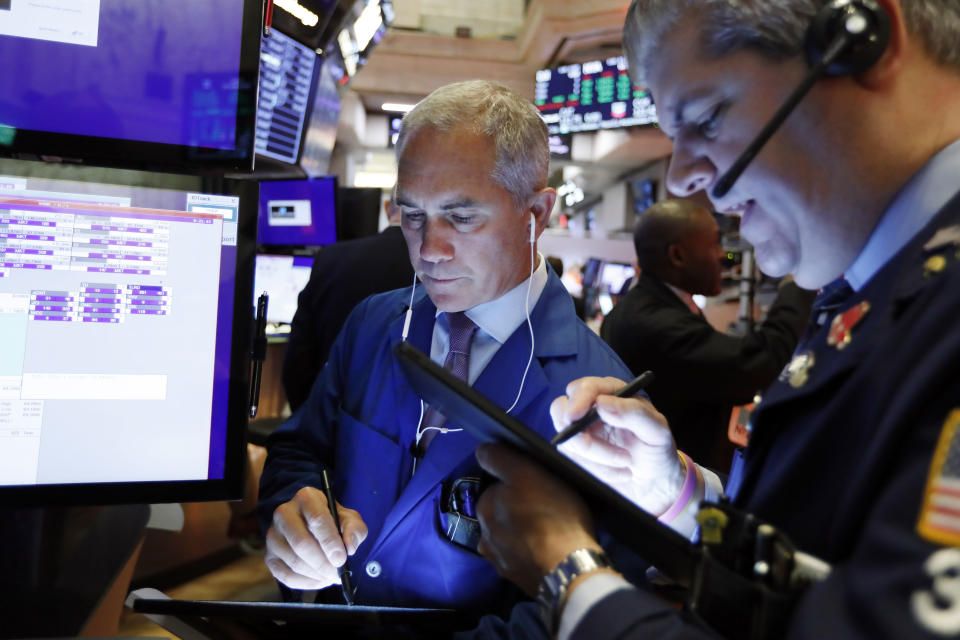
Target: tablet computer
{"type": "Point", "coordinates": [663, 547]}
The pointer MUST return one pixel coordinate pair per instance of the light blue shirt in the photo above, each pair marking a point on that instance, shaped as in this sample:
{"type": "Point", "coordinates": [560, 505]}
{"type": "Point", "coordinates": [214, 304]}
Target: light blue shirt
{"type": "Point", "coordinates": [496, 321]}
{"type": "Point", "coordinates": [915, 205]}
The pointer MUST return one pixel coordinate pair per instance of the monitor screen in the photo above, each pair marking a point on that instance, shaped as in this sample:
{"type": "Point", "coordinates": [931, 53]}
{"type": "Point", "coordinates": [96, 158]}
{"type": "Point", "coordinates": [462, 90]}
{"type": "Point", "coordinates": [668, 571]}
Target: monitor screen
{"type": "Point", "coordinates": [119, 381]}
{"type": "Point", "coordinates": [321, 132]}
{"type": "Point", "coordinates": [593, 95]}
{"type": "Point", "coordinates": [298, 212]}
{"type": "Point", "coordinates": [286, 74]}
{"type": "Point", "coordinates": [614, 275]}
{"type": "Point", "coordinates": [282, 278]}
{"type": "Point", "coordinates": [146, 83]}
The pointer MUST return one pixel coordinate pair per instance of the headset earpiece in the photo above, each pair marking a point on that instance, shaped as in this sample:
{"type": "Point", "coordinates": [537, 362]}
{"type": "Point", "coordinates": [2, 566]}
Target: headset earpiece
{"type": "Point", "coordinates": [865, 20]}
{"type": "Point", "coordinates": [533, 228]}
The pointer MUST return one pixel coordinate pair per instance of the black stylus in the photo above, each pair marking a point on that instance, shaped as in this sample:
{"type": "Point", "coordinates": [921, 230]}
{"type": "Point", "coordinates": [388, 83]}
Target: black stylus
{"type": "Point", "coordinates": [342, 570]}
{"type": "Point", "coordinates": [576, 427]}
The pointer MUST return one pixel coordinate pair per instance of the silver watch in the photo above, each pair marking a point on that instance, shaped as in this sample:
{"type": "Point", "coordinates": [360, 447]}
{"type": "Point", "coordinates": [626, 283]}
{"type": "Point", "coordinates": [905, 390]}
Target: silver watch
{"type": "Point", "coordinates": [553, 588]}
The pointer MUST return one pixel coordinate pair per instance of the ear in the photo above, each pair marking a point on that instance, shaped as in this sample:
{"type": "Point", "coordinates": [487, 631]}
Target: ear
{"type": "Point", "coordinates": [885, 70]}
{"type": "Point", "coordinates": [541, 206]}
{"type": "Point", "coordinates": [676, 255]}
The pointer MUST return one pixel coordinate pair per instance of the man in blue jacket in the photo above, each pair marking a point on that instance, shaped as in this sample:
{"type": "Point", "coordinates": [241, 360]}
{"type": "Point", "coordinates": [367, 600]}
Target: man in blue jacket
{"type": "Point", "coordinates": [472, 191]}
{"type": "Point", "coordinates": [854, 452]}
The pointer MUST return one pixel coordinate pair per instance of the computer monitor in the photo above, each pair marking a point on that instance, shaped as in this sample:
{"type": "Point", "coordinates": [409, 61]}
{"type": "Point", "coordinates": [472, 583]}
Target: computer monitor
{"type": "Point", "coordinates": [131, 83]}
{"type": "Point", "coordinates": [286, 76]}
{"type": "Point", "coordinates": [298, 212]}
{"type": "Point", "coordinates": [614, 275]}
{"type": "Point", "coordinates": [126, 314]}
{"type": "Point", "coordinates": [282, 278]}
{"type": "Point", "coordinates": [594, 95]}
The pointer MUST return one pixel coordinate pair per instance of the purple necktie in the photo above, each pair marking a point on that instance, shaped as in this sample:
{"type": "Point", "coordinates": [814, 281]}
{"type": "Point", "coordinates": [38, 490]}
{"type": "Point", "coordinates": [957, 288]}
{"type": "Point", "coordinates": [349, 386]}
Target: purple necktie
{"type": "Point", "coordinates": [457, 362]}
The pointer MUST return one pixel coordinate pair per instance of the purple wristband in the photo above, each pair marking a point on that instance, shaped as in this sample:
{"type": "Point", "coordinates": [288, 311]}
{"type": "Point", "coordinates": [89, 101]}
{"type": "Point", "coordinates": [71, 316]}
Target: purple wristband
{"type": "Point", "coordinates": [686, 491]}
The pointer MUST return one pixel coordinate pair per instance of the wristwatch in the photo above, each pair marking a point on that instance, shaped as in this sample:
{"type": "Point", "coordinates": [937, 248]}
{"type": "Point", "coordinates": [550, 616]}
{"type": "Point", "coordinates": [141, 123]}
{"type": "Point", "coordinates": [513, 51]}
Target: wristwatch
{"type": "Point", "coordinates": [553, 588]}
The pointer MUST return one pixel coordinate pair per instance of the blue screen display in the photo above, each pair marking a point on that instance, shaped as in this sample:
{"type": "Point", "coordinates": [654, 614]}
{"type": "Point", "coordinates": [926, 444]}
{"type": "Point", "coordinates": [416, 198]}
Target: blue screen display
{"type": "Point", "coordinates": [161, 71]}
{"type": "Point", "coordinates": [298, 212]}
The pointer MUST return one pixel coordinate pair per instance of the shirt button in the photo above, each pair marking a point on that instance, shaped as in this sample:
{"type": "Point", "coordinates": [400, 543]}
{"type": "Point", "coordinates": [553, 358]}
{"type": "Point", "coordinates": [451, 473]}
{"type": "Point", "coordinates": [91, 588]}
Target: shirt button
{"type": "Point", "coordinates": [373, 569]}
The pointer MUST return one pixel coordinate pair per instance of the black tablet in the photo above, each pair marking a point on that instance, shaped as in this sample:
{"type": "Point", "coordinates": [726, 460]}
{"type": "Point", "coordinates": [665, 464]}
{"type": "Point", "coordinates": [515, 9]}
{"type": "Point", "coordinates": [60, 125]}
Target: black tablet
{"type": "Point", "coordinates": [670, 552]}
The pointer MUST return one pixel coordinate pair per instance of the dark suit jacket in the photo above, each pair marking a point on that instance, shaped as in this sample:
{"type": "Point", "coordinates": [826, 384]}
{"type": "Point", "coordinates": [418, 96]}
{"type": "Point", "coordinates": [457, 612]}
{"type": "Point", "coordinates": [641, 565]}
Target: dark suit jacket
{"type": "Point", "coordinates": [343, 274]}
{"type": "Point", "coordinates": [700, 372]}
{"type": "Point", "coordinates": [842, 463]}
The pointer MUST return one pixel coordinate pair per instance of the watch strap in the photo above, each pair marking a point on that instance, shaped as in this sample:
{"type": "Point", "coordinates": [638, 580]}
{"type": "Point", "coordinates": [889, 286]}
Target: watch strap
{"type": "Point", "coordinates": [553, 588]}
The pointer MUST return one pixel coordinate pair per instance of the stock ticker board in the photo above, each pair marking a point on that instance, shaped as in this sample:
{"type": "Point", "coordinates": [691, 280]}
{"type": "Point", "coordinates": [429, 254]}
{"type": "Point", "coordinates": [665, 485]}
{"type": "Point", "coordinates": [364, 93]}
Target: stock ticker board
{"type": "Point", "coordinates": [590, 96]}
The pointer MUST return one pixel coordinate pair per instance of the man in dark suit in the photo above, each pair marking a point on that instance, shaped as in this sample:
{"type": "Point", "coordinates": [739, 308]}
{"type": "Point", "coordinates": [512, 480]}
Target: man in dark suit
{"type": "Point", "coordinates": [853, 452]}
{"type": "Point", "coordinates": [343, 275]}
{"type": "Point", "coordinates": [700, 372]}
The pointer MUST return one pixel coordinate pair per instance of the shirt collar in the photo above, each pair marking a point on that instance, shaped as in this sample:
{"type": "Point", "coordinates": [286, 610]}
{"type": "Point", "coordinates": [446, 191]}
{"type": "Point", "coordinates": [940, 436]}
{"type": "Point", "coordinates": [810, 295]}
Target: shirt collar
{"type": "Point", "coordinates": [685, 298]}
{"type": "Point", "coordinates": [915, 205]}
{"type": "Point", "coordinates": [500, 317]}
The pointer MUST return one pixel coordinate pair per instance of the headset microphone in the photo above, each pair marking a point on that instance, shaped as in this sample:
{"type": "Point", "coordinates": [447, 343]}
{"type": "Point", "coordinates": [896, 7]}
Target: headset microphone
{"type": "Point", "coordinates": [846, 37]}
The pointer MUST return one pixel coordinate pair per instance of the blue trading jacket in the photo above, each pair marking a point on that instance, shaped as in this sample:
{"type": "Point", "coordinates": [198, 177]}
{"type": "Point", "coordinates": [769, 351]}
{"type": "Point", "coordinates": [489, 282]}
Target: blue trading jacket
{"type": "Point", "coordinates": [361, 419]}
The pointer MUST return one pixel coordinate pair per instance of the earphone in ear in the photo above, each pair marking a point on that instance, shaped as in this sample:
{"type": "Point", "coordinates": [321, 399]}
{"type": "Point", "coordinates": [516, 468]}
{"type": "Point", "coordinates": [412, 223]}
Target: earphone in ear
{"type": "Point", "coordinates": [533, 228]}
{"type": "Point", "coordinates": [863, 22]}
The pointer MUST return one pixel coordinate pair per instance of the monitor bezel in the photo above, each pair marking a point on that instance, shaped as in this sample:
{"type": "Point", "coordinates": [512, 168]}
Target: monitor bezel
{"type": "Point", "coordinates": [32, 144]}
{"type": "Point", "coordinates": [231, 486]}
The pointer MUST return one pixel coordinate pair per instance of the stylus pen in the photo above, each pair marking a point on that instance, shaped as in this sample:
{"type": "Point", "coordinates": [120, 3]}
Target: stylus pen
{"type": "Point", "coordinates": [577, 426]}
{"type": "Point", "coordinates": [342, 570]}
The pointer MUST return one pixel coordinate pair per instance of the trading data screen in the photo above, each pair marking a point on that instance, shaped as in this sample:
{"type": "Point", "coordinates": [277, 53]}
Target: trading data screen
{"type": "Point", "coordinates": [286, 73]}
{"type": "Point", "coordinates": [593, 95]}
{"type": "Point", "coordinates": [116, 314]}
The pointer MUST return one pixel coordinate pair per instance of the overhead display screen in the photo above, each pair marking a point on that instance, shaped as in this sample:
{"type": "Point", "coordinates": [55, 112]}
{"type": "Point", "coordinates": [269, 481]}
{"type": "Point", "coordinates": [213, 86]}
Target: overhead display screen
{"type": "Point", "coordinates": [590, 96]}
{"type": "Point", "coordinates": [130, 82]}
{"type": "Point", "coordinates": [286, 73]}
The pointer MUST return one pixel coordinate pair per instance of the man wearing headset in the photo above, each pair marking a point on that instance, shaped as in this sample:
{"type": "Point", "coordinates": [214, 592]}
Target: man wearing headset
{"type": "Point", "coordinates": [471, 188]}
{"type": "Point", "coordinates": [853, 452]}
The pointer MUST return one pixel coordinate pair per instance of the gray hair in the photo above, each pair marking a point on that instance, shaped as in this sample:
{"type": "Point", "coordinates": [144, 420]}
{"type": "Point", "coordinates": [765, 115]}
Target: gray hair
{"type": "Point", "coordinates": [774, 28]}
{"type": "Point", "coordinates": [491, 109]}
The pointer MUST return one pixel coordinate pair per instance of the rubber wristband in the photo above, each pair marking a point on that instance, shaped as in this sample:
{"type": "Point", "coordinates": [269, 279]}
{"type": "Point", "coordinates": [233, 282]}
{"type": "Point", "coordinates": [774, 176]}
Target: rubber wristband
{"type": "Point", "coordinates": [686, 491]}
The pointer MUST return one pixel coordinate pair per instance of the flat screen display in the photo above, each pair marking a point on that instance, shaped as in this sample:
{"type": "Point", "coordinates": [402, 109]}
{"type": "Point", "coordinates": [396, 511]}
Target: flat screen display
{"type": "Point", "coordinates": [282, 278]}
{"type": "Point", "coordinates": [130, 82]}
{"type": "Point", "coordinates": [286, 74]}
{"type": "Point", "coordinates": [119, 377]}
{"type": "Point", "coordinates": [614, 275]}
{"type": "Point", "coordinates": [590, 96]}
{"type": "Point", "coordinates": [298, 212]}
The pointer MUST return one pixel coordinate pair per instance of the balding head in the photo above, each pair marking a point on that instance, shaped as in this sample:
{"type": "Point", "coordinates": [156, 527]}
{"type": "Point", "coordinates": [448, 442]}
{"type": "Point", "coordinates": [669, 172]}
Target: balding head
{"type": "Point", "coordinates": [677, 241]}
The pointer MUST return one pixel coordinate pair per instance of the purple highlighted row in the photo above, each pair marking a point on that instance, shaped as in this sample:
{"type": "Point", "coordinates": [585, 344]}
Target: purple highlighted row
{"type": "Point", "coordinates": [51, 307]}
{"type": "Point", "coordinates": [145, 287]}
{"type": "Point", "coordinates": [26, 236]}
{"type": "Point", "coordinates": [29, 252]}
{"type": "Point", "coordinates": [101, 290]}
{"type": "Point", "coordinates": [53, 318]}
{"type": "Point", "coordinates": [110, 320]}
{"type": "Point", "coordinates": [26, 265]}
{"type": "Point", "coordinates": [31, 223]}
{"type": "Point", "coordinates": [100, 309]}
{"type": "Point", "coordinates": [42, 298]}
{"type": "Point", "coordinates": [88, 300]}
